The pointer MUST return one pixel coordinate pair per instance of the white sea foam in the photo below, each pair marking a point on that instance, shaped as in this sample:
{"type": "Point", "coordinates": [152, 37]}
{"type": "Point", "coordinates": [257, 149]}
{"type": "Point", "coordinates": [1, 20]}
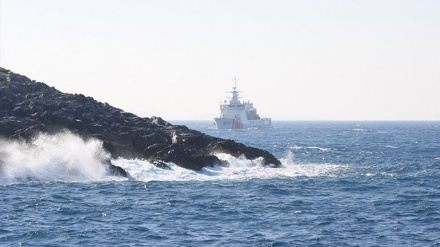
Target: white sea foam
{"type": "Point", "coordinates": [360, 130]}
{"type": "Point", "coordinates": [239, 169]}
{"type": "Point", "coordinates": [321, 149]}
{"type": "Point", "coordinates": [391, 147]}
{"type": "Point", "coordinates": [63, 156]}
{"type": "Point", "coordinates": [66, 157]}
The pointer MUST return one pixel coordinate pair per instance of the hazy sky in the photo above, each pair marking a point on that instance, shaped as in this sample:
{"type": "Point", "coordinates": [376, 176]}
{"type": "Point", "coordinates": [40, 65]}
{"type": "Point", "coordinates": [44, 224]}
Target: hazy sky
{"type": "Point", "coordinates": [296, 60]}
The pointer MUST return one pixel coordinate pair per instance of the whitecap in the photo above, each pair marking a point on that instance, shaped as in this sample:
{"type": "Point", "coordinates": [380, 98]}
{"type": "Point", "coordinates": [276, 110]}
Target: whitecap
{"type": "Point", "coordinates": [360, 130]}
{"type": "Point", "coordinates": [321, 149]}
{"type": "Point", "coordinates": [390, 146]}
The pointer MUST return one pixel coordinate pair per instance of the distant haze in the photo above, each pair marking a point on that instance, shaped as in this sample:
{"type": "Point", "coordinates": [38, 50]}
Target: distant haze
{"type": "Point", "coordinates": [295, 60]}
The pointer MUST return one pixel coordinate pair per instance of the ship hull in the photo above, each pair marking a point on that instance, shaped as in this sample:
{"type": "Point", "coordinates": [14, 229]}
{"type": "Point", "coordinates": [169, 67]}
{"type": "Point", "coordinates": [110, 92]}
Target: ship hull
{"type": "Point", "coordinates": [228, 123]}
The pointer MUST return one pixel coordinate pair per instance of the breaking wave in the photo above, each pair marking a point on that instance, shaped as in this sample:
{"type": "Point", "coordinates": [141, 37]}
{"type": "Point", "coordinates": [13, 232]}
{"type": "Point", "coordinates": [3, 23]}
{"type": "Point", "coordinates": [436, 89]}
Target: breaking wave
{"type": "Point", "coordinates": [63, 156]}
{"type": "Point", "coordinates": [67, 157]}
{"type": "Point", "coordinates": [239, 169]}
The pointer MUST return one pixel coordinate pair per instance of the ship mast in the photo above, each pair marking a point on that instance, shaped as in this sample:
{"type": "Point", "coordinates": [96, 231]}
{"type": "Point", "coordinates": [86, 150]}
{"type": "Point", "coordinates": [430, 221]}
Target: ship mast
{"type": "Point", "coordinates": [234, 92]}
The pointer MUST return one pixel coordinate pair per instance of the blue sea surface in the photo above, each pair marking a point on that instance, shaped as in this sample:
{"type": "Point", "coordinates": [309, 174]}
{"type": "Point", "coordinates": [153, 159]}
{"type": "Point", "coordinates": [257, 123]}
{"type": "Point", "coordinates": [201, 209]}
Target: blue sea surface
{"type": "Point", "coordinates": [341, 184]}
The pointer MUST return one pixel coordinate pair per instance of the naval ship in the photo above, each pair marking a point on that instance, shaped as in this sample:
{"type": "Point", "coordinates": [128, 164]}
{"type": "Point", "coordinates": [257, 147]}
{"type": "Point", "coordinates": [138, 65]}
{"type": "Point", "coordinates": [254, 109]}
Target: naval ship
{"type": "Point", "coordinates": [236, 114]}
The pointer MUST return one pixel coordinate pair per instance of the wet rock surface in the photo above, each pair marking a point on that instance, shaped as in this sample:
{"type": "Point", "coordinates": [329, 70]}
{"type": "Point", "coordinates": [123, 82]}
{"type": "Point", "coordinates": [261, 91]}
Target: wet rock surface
{"type": "Point", "coordinates": [28, 107]}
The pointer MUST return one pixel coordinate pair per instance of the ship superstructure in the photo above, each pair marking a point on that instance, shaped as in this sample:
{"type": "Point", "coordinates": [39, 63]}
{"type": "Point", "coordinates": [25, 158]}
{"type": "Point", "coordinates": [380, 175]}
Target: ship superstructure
{"type": "Point", "coordinates": [236, 114]}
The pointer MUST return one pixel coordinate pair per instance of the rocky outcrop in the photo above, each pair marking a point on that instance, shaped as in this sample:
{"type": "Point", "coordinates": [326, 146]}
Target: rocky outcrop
{"type": "Point", "coordinates": [28, 107]}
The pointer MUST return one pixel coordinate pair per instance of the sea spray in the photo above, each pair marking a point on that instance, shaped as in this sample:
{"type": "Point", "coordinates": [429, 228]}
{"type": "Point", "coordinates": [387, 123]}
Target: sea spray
{"type": "Point", "coordinates": [62, 156]}
{"type": "Point", "coordinates": [238, 169]}
{"type": "Point", "coordinates": [68, 157]}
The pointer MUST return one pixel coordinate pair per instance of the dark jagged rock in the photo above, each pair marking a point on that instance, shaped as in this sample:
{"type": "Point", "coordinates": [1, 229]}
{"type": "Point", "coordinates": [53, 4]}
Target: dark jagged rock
{"type": "Point", "coordinates": [115, 170]}
{"type": "Point", "coordinates": [28, 107]}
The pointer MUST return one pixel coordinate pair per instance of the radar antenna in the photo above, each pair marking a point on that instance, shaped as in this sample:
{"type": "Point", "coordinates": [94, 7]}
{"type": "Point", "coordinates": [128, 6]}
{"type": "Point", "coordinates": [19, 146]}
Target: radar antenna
{"type": "Point", "coordinates": [235, 83]}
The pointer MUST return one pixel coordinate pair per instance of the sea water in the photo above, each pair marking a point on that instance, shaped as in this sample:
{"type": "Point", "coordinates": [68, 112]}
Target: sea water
{"type": "Point", "coordinates": [340, 184]}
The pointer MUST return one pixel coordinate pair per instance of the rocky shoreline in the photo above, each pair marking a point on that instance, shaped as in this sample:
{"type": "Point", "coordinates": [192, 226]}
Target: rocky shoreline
{"type": "Point", "coordinates": [28, 108]}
